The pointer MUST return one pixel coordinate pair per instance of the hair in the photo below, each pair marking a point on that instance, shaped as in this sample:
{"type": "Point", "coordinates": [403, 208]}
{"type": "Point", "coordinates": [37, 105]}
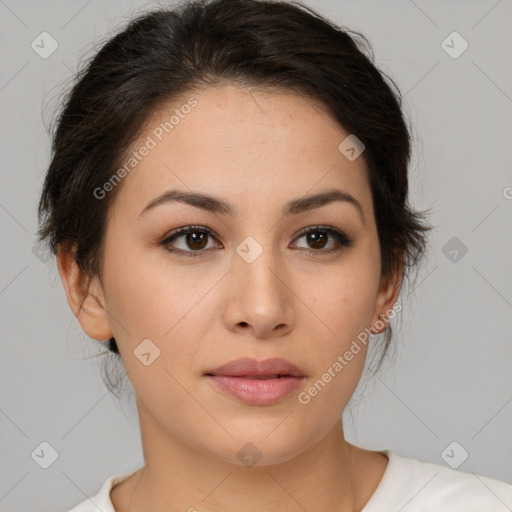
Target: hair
{"type": "Point", "coordinates": [164, 54]}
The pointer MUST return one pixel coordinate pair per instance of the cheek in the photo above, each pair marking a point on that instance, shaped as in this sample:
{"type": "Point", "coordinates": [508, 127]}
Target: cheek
{"type": "Point", "coordinates": [340, 347]}
{"type": "Point", "coordinates": [343, 306]}
{"type": "Point", "coordinates": [341, 313]}
{"type": "Point", "coordinates": [147, 292]}
{"type": "Point", "coordinates": [176, 310]}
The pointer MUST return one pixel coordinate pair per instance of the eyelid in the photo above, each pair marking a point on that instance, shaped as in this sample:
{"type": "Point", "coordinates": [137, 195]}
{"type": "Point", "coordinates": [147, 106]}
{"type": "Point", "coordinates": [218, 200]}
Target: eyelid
{"type": "Point", "coordinates": [340, 236]}
{"type": "Point", "coordinates": [183, 230]}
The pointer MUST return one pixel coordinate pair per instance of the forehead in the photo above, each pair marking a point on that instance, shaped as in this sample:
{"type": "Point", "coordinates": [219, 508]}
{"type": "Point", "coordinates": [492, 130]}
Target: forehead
{"type": "Point", "coordinates": [255, 146]}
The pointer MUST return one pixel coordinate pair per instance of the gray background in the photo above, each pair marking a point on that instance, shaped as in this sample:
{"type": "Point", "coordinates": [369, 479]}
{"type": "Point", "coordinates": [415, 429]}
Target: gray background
{"type": "Point", "coordinates": [452, 380]}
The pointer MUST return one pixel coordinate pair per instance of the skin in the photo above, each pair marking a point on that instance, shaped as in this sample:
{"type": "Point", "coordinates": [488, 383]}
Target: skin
{"type": "Point", "coordinates": [257, 150]}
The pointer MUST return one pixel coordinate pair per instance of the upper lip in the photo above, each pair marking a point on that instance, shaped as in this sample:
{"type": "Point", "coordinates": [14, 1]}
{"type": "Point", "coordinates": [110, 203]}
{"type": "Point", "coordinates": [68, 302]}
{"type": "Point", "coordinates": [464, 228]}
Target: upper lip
{"type": "Point", "coordinates": [247, 367]}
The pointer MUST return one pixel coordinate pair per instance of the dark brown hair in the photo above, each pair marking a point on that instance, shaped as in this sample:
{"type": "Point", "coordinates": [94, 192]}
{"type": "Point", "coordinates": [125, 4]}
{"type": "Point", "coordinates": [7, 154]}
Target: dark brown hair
{"type": "Point", "coordinates": [165, 53]}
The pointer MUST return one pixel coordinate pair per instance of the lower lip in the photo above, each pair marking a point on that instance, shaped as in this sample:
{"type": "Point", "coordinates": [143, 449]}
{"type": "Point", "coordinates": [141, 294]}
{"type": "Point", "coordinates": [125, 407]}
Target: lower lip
{"type": "Point", "coordinates": [256, 391]}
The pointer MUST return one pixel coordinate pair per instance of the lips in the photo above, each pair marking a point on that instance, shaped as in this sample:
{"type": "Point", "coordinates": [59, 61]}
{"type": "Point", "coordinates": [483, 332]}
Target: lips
{"type": "Point", "coordinates": [272, 368]}
{"type": "Point", "coordinates": [255, 382]}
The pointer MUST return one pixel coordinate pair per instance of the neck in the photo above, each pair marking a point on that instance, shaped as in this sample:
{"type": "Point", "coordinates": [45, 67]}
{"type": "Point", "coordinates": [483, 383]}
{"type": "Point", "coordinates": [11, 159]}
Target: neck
{"type": "Point", "coordinates": [178, 477]}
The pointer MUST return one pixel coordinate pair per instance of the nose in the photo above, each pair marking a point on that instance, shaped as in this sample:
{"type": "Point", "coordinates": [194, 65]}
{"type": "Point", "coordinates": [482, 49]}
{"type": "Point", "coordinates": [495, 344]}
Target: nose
{"type": "Point", "coordinates": [260, 299]}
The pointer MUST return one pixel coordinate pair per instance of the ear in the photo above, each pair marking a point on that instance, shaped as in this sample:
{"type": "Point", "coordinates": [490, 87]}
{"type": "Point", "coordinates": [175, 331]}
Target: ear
{"type": "Point", "coordinates": [387, 296]}
{"type": "Point", "coordinates": [85, 296]}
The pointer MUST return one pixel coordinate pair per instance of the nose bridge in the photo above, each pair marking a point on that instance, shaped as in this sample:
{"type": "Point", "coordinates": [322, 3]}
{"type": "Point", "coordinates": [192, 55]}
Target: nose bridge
{"type": "Point", "coordinates": [257, 262]}
{"type": "Point", "coordinates": [259, 295]}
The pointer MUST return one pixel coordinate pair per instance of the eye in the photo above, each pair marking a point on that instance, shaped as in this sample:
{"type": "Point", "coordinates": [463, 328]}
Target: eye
{"type": "Point", "coordinates": [194, 238]}
{"type": "Point", "coordinates": [317, 237]}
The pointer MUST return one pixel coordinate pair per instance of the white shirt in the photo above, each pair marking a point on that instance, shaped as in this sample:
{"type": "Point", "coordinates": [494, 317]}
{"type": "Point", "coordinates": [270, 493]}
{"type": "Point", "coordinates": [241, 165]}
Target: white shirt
{"type": "Point", "coordinates": [408, 485]}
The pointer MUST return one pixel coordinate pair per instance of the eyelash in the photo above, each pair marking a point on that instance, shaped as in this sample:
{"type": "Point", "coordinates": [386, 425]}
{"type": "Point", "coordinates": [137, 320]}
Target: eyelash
{"type": "Point", "coordinates": [339, 236]}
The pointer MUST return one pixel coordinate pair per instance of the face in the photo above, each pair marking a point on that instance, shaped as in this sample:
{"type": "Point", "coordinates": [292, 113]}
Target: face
{"type": "Point", "coordinates": [257, 282]}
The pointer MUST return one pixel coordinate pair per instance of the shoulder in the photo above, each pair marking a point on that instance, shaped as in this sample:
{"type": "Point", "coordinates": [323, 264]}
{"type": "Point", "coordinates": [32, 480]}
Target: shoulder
{"type": "Point", "coordinates": [418, 486]}
{"type": "Point", "coordinates": [101, 500]}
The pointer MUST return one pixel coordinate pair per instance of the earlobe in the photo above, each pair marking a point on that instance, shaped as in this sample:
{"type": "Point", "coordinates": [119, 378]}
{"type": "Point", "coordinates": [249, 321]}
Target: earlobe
{"type": "Point", "coordinates": [85, 296]}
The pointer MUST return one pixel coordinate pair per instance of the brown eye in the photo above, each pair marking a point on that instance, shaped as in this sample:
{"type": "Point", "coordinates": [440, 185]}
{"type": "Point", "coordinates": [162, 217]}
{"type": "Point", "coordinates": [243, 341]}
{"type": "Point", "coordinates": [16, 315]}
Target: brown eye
{"type": "Point", "coordinates": [317, 238]}
{"type": "Point", "coordinates": [195, 239]}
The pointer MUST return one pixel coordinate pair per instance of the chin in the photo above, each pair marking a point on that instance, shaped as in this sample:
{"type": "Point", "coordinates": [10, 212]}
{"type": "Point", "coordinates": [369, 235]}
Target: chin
{"type": "Point", "coordinates": [257, 448]}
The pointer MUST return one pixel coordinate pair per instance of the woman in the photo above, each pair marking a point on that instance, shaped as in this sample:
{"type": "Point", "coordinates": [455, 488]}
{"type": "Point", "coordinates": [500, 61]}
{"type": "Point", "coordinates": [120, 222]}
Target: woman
{"type": "Point", "coordinates": [227, 201]}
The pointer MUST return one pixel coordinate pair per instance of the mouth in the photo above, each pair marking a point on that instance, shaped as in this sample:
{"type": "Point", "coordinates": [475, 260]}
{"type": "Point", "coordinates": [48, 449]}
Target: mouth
{"type": "Point", "coordinates": [252, 377]}
{"type": "Point", "coordinates": [257, 382]}
{"type": "Point", "coordinates": [273, 368]}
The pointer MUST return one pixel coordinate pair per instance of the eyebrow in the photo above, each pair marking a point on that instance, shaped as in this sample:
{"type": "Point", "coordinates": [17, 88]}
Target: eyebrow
{"type": "Point", "coordinates": [217, 205]}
